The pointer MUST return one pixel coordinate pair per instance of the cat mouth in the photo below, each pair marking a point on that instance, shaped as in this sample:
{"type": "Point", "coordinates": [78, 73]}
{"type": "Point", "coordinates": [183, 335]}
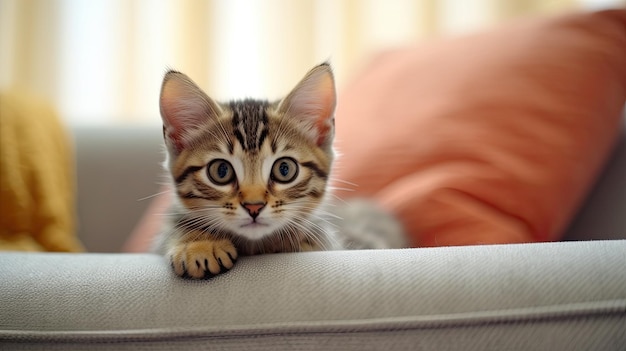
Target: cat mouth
{"type": "Point", "coordinates": [254, 224]}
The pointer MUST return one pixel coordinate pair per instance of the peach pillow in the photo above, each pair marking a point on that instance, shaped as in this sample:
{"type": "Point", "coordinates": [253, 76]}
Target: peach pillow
{"type": "Point", "coordinates": [491, 138]}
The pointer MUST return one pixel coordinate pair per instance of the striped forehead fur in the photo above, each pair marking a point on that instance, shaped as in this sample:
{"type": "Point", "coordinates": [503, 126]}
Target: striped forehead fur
{"type": "Point", "coordinates": [250, 122]}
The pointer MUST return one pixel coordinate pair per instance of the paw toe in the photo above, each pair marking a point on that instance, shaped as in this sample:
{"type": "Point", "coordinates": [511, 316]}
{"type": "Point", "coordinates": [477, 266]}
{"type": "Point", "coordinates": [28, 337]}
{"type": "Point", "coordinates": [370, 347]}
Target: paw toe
{"type": "Point", "coordinates": [203, 259]}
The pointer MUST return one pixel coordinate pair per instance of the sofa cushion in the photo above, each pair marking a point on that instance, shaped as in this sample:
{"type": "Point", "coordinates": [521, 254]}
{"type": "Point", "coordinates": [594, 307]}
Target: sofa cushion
{"type": "Point", "coordinates": [491, 138]}
{"type": "Point", "coordinates": [602, 215]}
{"type": "Point", "coordinates": [548, 296]}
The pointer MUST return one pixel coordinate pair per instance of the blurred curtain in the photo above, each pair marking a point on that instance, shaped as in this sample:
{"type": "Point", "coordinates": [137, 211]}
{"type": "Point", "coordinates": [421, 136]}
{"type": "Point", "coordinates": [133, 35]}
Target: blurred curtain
{"type": "Point", "coordinates": [101, 61]}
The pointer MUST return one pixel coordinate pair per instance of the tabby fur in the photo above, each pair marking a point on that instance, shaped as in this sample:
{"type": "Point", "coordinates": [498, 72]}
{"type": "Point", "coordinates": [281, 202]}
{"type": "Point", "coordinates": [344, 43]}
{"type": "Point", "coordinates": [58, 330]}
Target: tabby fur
{"type": "Point", "coordinates": [250, 176]}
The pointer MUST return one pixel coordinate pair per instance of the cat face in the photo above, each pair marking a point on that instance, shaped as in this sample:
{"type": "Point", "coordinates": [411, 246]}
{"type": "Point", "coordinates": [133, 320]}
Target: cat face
{"type": "Point", "coordinates": [250, 168]}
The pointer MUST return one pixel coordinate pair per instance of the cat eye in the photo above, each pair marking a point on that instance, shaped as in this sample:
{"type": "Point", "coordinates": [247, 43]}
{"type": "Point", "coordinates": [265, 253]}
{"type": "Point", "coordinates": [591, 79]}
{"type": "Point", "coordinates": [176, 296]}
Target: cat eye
{"type": "Point", "coordinates": [220, 172]}
{"type": "Point", "coordinates": [284, 170]}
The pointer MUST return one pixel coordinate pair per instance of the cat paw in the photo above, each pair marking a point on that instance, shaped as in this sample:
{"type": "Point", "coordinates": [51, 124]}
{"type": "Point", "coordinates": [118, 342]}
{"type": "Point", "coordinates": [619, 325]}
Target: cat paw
{"type": "Point", "coordinates": [203, 258]}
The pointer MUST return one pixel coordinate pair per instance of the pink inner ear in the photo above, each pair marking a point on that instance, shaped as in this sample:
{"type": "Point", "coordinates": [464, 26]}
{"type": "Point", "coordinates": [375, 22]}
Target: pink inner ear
{"type": "Point", "coordinates": [324, 123]}
{"type": "Point", "coordinates": [313, 103]}
{"type": "Point", "coordinates": [175, 139]}
{"type": "Point", "coordinates": [171, 123]}
{"type": "Point", "coordinates": [323, 128]}
{"type": "Point", "coordinates": [184, 108]}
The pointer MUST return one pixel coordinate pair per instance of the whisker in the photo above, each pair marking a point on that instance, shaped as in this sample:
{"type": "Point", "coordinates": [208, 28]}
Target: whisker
{"type": "Point", "coordinates": [312, 235]}
{"type": "Point", "coordinates": [343, 181]}
{"type": "Point", "coordinates": [342, 189]}
{"type": "Point", "coordinates": [337, 198]}
{"type": "Point", "coordinates": [313, 210]}
{"type": "Point", "coordinates": [154, 195]}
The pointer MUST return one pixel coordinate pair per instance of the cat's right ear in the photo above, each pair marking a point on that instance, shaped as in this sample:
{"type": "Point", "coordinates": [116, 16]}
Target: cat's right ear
{"type": "Point", "coordinates": [185, 108]}
{"type": "Point", "coordinates": [312, 104]}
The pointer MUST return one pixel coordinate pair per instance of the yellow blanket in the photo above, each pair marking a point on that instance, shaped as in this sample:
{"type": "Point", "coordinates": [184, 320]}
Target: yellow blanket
{"type": "Point", "coordinates": [36, 178]}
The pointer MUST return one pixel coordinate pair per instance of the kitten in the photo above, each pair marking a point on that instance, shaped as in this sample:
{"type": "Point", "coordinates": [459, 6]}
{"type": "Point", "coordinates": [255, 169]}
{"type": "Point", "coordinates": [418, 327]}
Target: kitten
{"type": "Point", "coordinates": [250, 177]}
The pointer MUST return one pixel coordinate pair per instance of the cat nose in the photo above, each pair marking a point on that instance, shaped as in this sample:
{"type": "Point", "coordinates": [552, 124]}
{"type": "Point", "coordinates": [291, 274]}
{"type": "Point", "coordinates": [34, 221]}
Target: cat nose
{"type": "Point", "coordinates": [253, 208]}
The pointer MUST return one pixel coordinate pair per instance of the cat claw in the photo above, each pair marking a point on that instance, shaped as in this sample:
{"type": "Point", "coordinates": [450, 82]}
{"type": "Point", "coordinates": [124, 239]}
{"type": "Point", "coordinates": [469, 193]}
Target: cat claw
{"type": "Point", "coordinates": [203, 259]}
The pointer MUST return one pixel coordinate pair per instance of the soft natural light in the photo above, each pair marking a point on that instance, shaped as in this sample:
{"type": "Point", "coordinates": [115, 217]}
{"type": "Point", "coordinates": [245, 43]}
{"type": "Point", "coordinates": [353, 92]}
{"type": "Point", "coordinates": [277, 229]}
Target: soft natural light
{"type": "Point", "coordinates": [102, 61]}
{"type": "Point", "coordinates": [90, 63]}
{"type": "Point", "coordinates": [238, 46]}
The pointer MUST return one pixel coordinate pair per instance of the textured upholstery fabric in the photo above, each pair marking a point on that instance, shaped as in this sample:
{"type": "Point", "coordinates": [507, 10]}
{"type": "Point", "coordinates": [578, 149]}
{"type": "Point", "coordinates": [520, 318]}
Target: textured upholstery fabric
{"type": "Point", "coordinates": [549, 296]}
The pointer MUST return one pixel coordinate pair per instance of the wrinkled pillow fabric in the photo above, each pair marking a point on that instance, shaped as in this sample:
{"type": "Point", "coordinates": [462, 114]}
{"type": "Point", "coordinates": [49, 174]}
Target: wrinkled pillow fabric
{"type": "Point", "coordinates": [491, 138]}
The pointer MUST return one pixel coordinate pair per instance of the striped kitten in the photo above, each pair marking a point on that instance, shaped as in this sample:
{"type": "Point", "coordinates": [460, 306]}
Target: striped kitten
{"type": "Point", "coordinates": [250, 176]}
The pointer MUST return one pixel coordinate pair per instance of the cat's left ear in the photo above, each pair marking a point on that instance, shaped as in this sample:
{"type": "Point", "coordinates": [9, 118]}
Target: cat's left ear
{"type": "Point", "coordinates": [312, 104]}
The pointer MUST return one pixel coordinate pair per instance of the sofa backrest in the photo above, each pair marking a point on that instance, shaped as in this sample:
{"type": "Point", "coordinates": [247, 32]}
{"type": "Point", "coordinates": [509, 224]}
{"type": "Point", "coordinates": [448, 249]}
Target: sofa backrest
{"type": "Point", "coordinates": [603, 215]}
{"type": "Point", "coordinates": [118, 169]}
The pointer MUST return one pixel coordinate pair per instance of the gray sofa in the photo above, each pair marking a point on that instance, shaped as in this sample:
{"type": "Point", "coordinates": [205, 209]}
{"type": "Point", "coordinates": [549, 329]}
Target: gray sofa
{"type": "Point", "coordinates": [568, 295]}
